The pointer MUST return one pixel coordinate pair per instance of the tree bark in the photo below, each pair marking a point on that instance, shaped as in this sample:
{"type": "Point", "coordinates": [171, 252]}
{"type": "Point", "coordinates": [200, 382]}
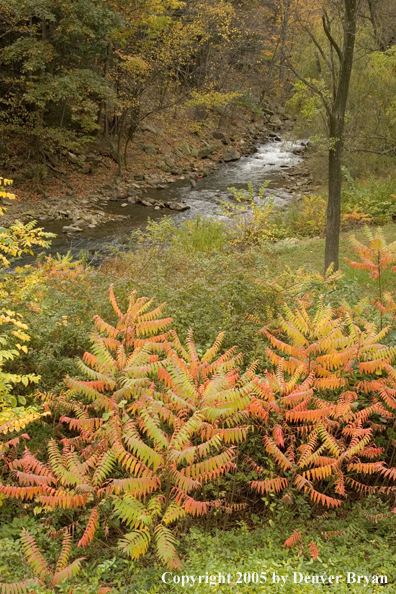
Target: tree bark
{"type": "Point", "coordinates": [336, 128]}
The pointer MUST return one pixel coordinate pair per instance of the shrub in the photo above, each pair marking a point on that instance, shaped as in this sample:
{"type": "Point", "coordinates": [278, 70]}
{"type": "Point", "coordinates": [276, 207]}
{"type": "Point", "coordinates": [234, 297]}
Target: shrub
{"type": "Point", "coordinates": [250, 216]}
{"type": "Point", "coordinates": [330, 394]}
{"type": "Point", "coordinates": [155, 423]}
{"type": "Point", "coordinates": [375, 197]}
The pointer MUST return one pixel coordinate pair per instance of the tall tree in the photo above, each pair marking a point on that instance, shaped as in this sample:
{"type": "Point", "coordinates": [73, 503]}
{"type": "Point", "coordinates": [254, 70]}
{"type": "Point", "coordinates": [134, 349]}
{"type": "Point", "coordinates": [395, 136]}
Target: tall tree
{"type": "Point", "coordinates": [336, 113]}
{"type": "Point", "coordinates": [334, 51]}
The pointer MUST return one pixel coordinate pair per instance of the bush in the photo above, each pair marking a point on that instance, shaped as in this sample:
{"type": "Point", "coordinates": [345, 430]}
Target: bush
{"type": "Point", "coordinates": [376, 198]}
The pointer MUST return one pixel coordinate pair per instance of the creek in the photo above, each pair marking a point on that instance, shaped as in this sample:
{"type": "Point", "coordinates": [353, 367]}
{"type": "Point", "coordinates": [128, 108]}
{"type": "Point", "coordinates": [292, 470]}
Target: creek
{"type": "Point", "coordinates": [273, 161]}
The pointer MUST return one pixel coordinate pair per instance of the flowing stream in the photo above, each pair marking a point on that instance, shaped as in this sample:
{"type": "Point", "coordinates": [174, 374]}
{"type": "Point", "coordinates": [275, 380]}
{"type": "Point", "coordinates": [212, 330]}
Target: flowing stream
{"type": "Point", "coordinates": [272, 161]}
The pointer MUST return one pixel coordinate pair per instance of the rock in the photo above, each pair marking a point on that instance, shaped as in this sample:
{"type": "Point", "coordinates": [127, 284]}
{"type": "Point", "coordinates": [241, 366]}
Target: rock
{"type": "Point", "coordinates": [183, 150]}
{"type": "Point", "coordinates": [76, 160]}
{"type": "Point", "coordinates": [220, 136]}
{"type": "Point", "coordinates": [180, 206]}
{"type": "Point", "coordinates": [132, 199]}
{"type": "Point", "coordinates": [124, 204]}
{"type": "Point", "coordinates": [170, 163]}
{"type": "Point", "coordinates": [160, 186]}
{"type": "Point", "coordinates": [150, 149]}
{"type": "Point", "coordinates": [133, 192]}
{"type": "Point", "coordinates": [194, 152]}
{"type": "Point", "coordinates": [147, 126]}
{"type": "Point", "coordinates": [207, 150]}
{"type": "Point", "coordinates": [71, 229]}
{"type": "Point", "coordinates": [231, 154]}
{"type": "Point", "coordinates": [152, 180]}
{"type": "Point", "coordinates": [157, 208]}
{"type": "Point", "coordinates": [138, 177]}
{"type": "Point", "coordinates": [147, 202]}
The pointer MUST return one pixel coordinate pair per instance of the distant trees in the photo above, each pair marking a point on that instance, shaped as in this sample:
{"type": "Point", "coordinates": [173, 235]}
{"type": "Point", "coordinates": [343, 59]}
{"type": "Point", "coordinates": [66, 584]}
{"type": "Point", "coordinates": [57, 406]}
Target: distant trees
{"type": "Point", "coordinates": [73, 69]}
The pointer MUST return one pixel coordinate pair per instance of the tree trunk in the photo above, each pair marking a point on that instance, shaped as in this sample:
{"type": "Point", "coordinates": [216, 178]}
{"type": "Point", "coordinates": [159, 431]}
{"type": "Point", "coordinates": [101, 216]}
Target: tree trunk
{"type": "Point", "coordinates": [333, 219]}
{"type": "Point", "coordinates": [336, 128]}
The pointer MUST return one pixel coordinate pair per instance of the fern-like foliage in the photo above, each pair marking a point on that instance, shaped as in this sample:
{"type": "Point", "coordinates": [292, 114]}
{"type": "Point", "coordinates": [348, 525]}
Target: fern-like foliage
{"type": "Point", "coordinates": [153, 423]}
{"type": "Point", "coordinates": [376, 258]}
{"type": "Point", "coordinates": [45, 575]}
{"type": "Point", "coordinates": [319, 410]}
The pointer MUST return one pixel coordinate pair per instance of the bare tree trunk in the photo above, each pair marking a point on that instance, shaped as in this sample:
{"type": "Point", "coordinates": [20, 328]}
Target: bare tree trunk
{"type": "Point", "coordinates": [336, 125]}
{"type": "Point", "coordinates": [333, 219]}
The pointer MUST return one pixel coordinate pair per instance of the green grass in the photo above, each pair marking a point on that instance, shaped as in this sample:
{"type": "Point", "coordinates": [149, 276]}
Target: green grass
{"type": "Point", "coordinates": [362, 546]}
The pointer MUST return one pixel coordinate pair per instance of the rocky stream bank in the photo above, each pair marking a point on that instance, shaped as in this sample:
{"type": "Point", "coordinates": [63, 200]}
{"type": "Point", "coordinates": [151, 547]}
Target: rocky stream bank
{"type": "Point", "coordinates": [88, 193]}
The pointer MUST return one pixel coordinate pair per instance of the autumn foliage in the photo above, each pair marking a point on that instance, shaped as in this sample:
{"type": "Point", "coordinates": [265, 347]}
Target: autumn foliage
{"type": "Point", "coordinates": [155, 423]}
{"type": "Point", "coordinates": [150, 427]}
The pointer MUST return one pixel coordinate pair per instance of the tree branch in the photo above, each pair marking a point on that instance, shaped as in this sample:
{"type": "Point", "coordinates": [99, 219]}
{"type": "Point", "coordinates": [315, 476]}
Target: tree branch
{"type": "Point", "coordinates": [310, 85]}
{"type": "Point", "coordinates": [329, 35]}
{"type": "Point", "coordinates": [315, 41]}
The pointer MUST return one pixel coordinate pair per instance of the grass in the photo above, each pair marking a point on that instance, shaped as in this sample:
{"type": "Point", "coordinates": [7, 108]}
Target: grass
{"type": "Point", "coordinates": [310, 254]}
{"type": "Point", "coordinates": [209, 290]}
{"type": "Point", "coordinates": [245, 554]}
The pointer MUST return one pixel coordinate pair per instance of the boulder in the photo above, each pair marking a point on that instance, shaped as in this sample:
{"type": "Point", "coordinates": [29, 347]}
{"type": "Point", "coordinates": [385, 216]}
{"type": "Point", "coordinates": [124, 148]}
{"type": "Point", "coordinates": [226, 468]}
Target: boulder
{"type": "Point", "coordinates": [183, 150]}
{"type": "Point", "coordinates": [180, 206]}
{"type": "Point", "coordinates": [220, 136]}
{"type": "Point", "coordinates": [151, 150]}
{"type": "Point", "coordinates": [147, 126]}
{"type": "Point", "coordinates": [207, 150]}
{"type": "Point", "coordinates": [230, 153]}
{"type": "Point", "coordinates": [170, 163]}
{"type": "Point", "coordinates": [147, 201]}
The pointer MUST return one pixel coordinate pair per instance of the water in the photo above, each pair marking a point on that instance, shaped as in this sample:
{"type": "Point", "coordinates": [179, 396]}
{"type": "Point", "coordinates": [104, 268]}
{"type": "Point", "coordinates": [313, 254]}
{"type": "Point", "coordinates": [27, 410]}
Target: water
{"type": "Point", "coordinates": [270, 162]}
